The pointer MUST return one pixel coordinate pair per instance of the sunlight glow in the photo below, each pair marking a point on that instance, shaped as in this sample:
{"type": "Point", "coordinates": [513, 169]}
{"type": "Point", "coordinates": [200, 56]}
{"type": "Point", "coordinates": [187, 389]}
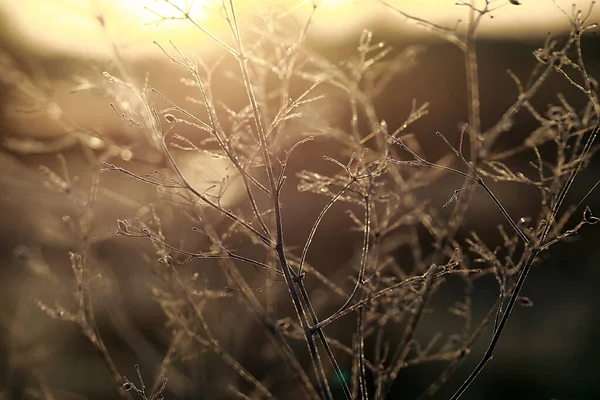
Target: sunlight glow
{"type": "Point", "coordinates": [83, 26]}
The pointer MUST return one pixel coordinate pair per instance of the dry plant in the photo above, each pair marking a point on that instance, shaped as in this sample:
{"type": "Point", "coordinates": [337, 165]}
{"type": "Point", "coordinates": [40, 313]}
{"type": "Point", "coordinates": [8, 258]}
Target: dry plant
{"type": "Point", "coordinates": [376, 175]}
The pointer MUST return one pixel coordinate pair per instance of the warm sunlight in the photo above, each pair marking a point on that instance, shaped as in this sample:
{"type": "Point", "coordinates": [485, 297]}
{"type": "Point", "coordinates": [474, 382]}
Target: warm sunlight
{"type": "Point", "coordinates": [299, 199]}
{"type": "Point", "coordinates": [72, 25]}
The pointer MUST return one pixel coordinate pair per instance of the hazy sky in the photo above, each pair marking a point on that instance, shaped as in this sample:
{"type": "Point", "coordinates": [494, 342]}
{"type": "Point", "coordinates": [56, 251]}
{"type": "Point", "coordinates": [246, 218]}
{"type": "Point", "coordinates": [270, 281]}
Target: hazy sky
{"type": "Point", "coordinates": [69, 25]}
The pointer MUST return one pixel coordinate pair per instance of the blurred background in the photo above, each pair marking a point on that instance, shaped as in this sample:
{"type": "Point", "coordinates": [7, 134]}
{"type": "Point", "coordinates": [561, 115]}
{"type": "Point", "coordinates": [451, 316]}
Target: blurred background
{"type": "Point", "coordinates": [53, 100]}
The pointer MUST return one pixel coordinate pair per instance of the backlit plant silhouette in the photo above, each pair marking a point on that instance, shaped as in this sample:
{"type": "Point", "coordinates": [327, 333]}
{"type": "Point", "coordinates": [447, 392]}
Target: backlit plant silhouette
{"type": "Point", "coordinates": [375, 175]}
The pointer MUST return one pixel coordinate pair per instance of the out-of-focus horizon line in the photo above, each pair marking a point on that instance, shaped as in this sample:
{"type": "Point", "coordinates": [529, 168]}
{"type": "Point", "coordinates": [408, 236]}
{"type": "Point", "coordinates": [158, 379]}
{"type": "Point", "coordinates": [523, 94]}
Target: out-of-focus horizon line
{"type": "Point", "coordinates": [67, 26]}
